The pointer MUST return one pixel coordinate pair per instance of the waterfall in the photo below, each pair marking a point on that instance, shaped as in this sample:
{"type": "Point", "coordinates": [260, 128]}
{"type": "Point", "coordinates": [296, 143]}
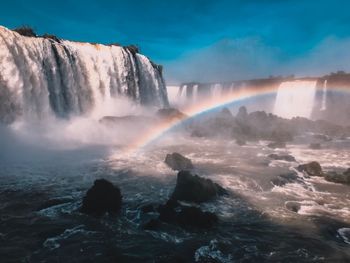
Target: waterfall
{"type": "Point", "coordinates": [182, 95]}
{"type": "Point", "coordinates": [173, 94]}
{"type": "Point", "coordinates": [195, 93]}
{"type": "Point", "coordinates": [43, 77]}
{"type": "Point", "coordinates": [216, 91]}
{"type": "Point", "coordinates": [324, 96]}
{"type": "Point", "coordinates": [295, 98]}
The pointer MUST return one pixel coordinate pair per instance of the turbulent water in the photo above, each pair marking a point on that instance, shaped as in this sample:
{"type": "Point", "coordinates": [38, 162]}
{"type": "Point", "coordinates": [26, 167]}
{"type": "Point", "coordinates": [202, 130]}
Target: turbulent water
{"type": "Point", "coordinates": [42, 77]}
{"type": "Point", "coordinates": [41, 192]}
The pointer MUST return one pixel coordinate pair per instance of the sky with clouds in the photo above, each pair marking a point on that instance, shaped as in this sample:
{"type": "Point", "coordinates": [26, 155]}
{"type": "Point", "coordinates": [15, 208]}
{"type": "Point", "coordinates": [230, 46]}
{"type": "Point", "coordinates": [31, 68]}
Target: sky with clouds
{"type": "Point", "coordinates": [204, 40]}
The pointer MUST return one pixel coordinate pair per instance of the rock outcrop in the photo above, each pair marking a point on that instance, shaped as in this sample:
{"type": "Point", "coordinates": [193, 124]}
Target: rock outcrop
{"type": "Point", "coordinates": [193, 188]}
{"type": "Point", "coordinates": [178, 162]}
{"type": "Point", "coordinates": [103, 197]}
{"type": "Point", "coordinates": [311, 169]}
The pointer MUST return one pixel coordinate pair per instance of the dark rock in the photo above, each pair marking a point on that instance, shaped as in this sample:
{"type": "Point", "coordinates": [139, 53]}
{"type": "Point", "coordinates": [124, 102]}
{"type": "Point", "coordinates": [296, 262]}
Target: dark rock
{"type": "Point", "coordinates": [293, 206]}
{"type": "Point", "coordinates": [334, 177]}
{"type": "Point", "coordinates": [133, 49]}
{"type": "Point", "coordinates": [153, 224]}
{"type": "Point", "coordinates": [25, 31]}
{"type": "Point", "coordinates": [315, 146]}
{"type": "Point", "coordinates": [178, 162]}
{"type": "Point", "coordinates": [286, 157]}
{"type": "Point", "coordinates": [194, 217]}
{"type": "Point", "coordinates": [52, 37]}
{"type": "Point", "coordinates": [193, 188]}
{"type": "Point", "coordinates": [171, 114]}
{"type": "Point", "coordinates": [312, 169]}
{"type": "Point", "coordinates": [277, 144]}
{"type": "Point", "coordinates": [103, 197]}
{"type": "Point", "coordinates": [167, 211]}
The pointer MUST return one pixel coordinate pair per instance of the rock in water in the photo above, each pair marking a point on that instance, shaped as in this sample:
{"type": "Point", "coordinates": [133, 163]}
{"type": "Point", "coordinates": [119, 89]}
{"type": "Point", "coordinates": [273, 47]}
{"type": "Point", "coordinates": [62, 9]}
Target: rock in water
{"type": "Point", "coordinates": [312, 169]}
{"type": "Point", "coordinates": [338, 178]}
{"type": "Point", "coordinates": [193, 188]}
{"type": "Point", "coordinates": [171, 114]}
{"type": "Point", "coordinates": [103, 197]}
{"type": "Point", "coordinates": [286, 157]}
{"type": "Point", "coordinates": [178, 162]}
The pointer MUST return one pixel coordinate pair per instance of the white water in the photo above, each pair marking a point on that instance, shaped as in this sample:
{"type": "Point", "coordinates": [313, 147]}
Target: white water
{"type": "Point", "coordinates": [216, 91]}
{"type": "Point", "coordinates": [195, 93]}
{"type": "Point", "coordinates": [173, 94]}
{"type": "Point", "coordinates": [295, 98]}
{"type": "Point", "coordinates": [324, 96]}
{"type": "Point", "coordinates": [42, 78]}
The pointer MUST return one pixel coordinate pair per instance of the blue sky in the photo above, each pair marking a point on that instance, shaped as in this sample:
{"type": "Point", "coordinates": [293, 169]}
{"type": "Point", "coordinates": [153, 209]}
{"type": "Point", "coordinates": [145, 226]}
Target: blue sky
{"type": "Point", "coordinates": [204, 40]}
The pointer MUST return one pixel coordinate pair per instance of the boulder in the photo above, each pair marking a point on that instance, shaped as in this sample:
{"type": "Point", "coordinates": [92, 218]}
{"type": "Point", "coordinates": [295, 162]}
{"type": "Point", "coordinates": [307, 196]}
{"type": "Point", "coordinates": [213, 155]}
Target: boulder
{"type": "Point", "coordinates": [193, 188]}
{"type": "Point", "coordinates": [312, 169]}
{"type": "Point", "coordinates": [178, 162]}
{"type": "Point", "coordinates": [103, 197]}
{"type": "Point", "coordinates": [242, 113]}
{"type": "Point", "coordinates": [334, 177]}
{"type": "Point", "coordinates": [293, 206]}
{"type": "Point", "coordinates": [286, 157]}
{"type": "Point", "coordinates": [278, 144]}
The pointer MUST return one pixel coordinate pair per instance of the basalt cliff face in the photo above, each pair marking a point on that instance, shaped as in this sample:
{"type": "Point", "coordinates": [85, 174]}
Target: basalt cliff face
{"type": "Point", "coordinates": [46, 76]}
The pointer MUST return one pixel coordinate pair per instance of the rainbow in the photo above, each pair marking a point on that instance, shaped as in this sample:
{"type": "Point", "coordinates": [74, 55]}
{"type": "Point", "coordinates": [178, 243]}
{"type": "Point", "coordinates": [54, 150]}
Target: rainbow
{"type": "Point", "coordinates": [201, 108]}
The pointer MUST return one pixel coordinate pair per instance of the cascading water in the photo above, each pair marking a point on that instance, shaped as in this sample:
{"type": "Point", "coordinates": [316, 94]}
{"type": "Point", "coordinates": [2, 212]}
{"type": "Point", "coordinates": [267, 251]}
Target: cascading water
{"type": "Point", "coordinates": [324, 96]}
{"type": "Point", "coordinates": [216, 91]}
{"type": "Point", "coordinates": [43, 77]}
{"type": "Point", "coordinates": [195, 93]}
{"type": "Point", "coordinates": [295, 98]}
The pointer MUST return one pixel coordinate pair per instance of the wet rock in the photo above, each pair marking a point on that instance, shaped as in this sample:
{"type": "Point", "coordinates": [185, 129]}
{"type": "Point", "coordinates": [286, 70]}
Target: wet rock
{"type": "Point", "coordinates": [286, 157]}
{"type": "Point", "coordinates": [167, 211]}
{"type": "Point", "coordinates": [334, 177]}
{"type": "Point", "coordinates": [278, 144]}
{"type": "Point", "coordinates": [52, 37]}
{"type": "Point", "coordinates": [315, 146]}
{"type": "Point", "coordinates": [293, 206]}
{"type": "Point", "coordinates": [178, 162]}
{"type": "Point", "coordinates": [103, 197]}
{"type": "Point", "coordinates": [193, 188]}
{"type": "Point", "coordinates": [312, 169]}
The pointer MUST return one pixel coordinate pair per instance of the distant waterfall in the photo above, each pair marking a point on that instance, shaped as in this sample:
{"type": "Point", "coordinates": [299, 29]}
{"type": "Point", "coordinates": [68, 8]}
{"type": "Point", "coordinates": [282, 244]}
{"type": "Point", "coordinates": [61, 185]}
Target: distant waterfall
{"type": "Point", "coordinates": [195, 93]}
{"type": "Point", "coordinates": [216, 91]}
{"type": "Point", "coordinates": [295, 98]}
{"type": "Point", "coordinates": [43, 77]}
{"type": "Point", "coordinates": [324, 96]}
